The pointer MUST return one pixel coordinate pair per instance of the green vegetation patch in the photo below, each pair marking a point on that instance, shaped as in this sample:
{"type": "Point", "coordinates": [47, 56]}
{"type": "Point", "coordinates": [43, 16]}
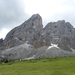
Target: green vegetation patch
{"type": "Point", "coordinates": [52, 66]}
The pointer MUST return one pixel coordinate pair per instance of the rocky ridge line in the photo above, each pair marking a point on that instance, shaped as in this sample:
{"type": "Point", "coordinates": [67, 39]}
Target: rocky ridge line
{"type": "Point", "coordinates": [30, 40]}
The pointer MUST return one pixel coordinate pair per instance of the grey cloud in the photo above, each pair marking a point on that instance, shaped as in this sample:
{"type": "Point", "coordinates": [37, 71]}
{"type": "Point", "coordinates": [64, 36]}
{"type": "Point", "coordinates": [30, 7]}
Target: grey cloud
{"type": "Point", "coordinates": [12, 12]}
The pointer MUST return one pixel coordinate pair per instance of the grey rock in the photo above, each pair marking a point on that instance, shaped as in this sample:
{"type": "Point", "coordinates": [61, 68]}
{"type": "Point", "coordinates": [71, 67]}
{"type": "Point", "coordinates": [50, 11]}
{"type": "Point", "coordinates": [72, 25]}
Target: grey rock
{"type": "Point", "coordinates": [0, 53]}
{"type": "Point", "coordinates": [28, 31]}
{"type": "Point", "coordinates": [18, 52]}
{"type": "Point", "coordinates": [59, 32]}
{"type": "Point", "coordinates": [32, 30]}
{"type": "Point", "coordinates": [1, 43]}
{"type": "Point", "coordinates": [27, 51]}
{"type": "Point", "coordinates": [30, 40]}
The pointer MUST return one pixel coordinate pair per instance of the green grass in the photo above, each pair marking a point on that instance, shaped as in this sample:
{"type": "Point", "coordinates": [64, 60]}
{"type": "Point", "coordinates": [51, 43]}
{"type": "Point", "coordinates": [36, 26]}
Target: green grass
{"type": "Point", "coordinates": [53, 66]}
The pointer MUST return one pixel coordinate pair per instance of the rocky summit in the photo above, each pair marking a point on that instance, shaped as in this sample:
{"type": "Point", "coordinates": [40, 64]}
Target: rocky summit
{"type": "Point", "coordinates": [60, 32]}
{"type": "Point", "coordinates": [28, 31]}
{"type": "Point", "coordinates": [30, 40]}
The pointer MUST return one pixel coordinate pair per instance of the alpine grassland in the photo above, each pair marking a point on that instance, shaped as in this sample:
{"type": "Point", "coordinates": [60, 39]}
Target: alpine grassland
{"type": "Point", "coordinates": [46, 66]}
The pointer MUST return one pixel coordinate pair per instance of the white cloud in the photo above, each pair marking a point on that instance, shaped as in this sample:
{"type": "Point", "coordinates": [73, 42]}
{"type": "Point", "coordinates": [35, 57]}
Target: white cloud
{"type": "Point", "coordinates": [46, 8]}
{"type": "Point", "coordinates": [52, 10]}
{"type": "Point", "coordinates": [3, 32]}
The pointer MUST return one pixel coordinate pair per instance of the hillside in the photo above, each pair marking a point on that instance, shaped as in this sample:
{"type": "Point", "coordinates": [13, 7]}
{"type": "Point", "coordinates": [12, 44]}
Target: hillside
{"type": "Point", "coordinates": [54, 66]}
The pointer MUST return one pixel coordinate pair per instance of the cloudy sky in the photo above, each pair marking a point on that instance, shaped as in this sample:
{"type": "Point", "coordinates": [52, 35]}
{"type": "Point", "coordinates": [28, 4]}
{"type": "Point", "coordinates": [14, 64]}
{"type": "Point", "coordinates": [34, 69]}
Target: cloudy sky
{"type": "Point", "coordinates": [15, 12]}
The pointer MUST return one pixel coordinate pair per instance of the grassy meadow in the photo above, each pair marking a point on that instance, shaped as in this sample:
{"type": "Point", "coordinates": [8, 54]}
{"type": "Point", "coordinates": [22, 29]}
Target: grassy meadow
{"type": "Point", "coordinates": [52, 66]}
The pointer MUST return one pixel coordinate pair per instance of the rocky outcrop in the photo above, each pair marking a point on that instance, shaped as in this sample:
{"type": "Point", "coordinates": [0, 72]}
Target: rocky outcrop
{"type": "Point", "coordinates": [59, 32]}
{"type": "Point", "coordinates": [32, 31]}
{"type": "Point", "coordinates": [1, 41]}
{"type": "Point", "coordinates": [26, 51]}
{"type": "Point", "coordinates": [1, 44]}
{"type": "Point", "coordinates": [28, 31]}
{"type": "Point", "coordinates": [30, 40]}
{"type": "Point", "coordinates": [19, 52]}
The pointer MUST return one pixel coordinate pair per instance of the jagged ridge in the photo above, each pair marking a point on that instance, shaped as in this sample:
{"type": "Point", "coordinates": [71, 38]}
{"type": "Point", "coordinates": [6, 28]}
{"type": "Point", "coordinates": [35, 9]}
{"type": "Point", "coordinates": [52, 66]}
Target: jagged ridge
{"type": "Point", "coordinates": [32, 30]}
{"type": "Point", "coordinates": [39, 39]}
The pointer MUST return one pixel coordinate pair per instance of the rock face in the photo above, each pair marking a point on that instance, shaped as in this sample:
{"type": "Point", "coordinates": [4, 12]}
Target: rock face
{"type": "Point", "coordinates": [27, 51]}
{"type": "Point", "coordinates": [39, 39]}
{"type": "Point", "coordinates": [32, 30]}
{"type": "Point", "coordinates": [1, 44]}
{"type": "Point", "coordinates": [19, 52]}
{"type": "Point", "coordinates": [59, 32]}
{"type": "Point", "coordinates": [28, 31]}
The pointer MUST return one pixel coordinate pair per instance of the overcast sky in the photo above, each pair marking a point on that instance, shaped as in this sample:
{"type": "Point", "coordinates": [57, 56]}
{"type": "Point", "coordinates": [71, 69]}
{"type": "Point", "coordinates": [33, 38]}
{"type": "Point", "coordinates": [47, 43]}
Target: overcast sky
{"type": "Point", "coordinates": [15, 12]}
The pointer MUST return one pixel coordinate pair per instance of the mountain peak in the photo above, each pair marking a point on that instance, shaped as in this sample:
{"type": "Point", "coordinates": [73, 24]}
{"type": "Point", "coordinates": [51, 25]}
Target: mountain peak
{"type": "Point", "coordinates": [35, 15]}
{"type": "Point", "coordinates": [36, 21]}
{"type": "Point", "coordinates": [25, 32]}
{"type": "Point", "coordinates": [61, 21]}
{"type": "Point", "coordinates": [32, 31]}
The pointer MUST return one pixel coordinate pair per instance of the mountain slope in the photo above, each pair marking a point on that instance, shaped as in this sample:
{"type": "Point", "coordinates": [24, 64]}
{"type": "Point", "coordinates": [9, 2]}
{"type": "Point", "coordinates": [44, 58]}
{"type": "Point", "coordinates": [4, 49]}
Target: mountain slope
{"type": "Point", "coordinates": [59, 32]}
{"type": "Point", "coordinates": [27, 51]}
{"type": "Point", "coordinates": [32, 30]}
{"type": "Point", "coordinates": [28, 31]}
{"type": "Point", "coordinates": [54, 40]}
